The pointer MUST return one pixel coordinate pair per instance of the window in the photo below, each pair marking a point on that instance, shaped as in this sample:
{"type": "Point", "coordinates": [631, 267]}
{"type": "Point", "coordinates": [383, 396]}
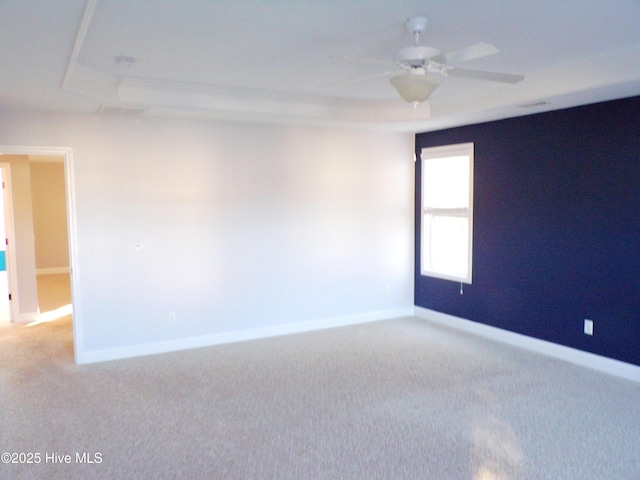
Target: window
{"type": "Point", "coordinates": [447, 212]}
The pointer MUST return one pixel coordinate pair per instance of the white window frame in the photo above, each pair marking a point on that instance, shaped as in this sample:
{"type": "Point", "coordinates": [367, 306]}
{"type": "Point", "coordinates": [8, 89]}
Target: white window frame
{"type": "Point", "coordinates": [439, 153]}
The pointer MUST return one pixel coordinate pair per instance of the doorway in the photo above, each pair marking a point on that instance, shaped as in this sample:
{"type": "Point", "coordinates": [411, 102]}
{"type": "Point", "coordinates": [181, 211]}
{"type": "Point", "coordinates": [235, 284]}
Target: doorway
{"type": "Point", "coordinates": [5, 313]}
{"type": "Point", "coordinates": [50, 227]}
{"type": "Point", "coordinates": [40, 264]}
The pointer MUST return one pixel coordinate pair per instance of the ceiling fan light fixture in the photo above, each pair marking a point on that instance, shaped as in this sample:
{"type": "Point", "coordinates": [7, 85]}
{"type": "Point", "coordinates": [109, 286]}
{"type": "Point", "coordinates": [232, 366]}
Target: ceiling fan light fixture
{"type": "Point", "coordinates": [415, 87]}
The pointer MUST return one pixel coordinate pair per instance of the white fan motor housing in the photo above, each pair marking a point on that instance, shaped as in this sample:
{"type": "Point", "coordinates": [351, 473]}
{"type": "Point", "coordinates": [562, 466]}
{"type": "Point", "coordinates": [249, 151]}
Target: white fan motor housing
{"type": "Point", "coordinates": [416, 55]}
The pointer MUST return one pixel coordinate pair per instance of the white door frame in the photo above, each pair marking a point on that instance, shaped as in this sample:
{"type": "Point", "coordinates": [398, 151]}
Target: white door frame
{"type": "Point", "coordinates": [67, 154]}
{"type": "Point", "coordinates": [11, 260]}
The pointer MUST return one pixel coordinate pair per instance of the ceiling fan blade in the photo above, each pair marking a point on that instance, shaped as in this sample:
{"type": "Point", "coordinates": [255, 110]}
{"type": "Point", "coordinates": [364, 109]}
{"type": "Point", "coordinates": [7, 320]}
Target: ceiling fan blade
{"type": "Point", "coordinates": [484, 75]}
{"type": "Point", "coordinates": [359, 79]}
{"type": "Point", "coordinates": [471, 52]}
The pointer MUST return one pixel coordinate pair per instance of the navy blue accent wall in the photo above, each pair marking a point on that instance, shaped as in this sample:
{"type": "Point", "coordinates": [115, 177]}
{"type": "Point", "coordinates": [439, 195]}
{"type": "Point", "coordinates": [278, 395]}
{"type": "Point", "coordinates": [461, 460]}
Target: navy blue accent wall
{"type": "Point", "coordinates": [556, 228]}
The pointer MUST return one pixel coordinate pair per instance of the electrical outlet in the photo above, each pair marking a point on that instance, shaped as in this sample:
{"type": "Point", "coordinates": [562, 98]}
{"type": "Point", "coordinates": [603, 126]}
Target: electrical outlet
{"type": "Point", "coordinates": [588, 326]}
{"type": "Point", "coordinates": [172, 317]}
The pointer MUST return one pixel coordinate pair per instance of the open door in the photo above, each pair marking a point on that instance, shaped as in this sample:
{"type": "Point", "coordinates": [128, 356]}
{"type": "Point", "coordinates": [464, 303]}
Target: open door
{"type": "Point", "coordinates": [5, 312]}
{"type": "Point", "coordinates": [8, 271]}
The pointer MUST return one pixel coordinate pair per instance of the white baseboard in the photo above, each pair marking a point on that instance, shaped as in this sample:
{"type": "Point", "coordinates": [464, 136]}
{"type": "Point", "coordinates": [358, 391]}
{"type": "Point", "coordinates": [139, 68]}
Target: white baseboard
{"type": "Point", "coordinates": [26, 318]}
{"type": "Point", "coordinates": [52, 271]}
{"type": "Point", "coordinates": [86, 357]}
{"type": "Point", "coordinates": [568, 354]}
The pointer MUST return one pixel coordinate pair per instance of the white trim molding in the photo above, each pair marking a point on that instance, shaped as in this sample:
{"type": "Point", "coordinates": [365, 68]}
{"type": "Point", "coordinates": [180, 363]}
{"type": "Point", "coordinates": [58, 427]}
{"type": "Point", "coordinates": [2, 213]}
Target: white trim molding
{"type": "Point", "coordinates": [25, 318]}
{"type": "Point", "coordinates": [568, 354]}
{"type": "Point", "coordinates": [117, 353]}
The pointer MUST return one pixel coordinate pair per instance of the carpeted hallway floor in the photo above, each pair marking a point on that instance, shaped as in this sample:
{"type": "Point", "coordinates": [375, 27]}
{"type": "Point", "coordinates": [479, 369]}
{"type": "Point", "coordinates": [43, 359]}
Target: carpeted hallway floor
{"type": "Point", "coordinates": [401, 399]}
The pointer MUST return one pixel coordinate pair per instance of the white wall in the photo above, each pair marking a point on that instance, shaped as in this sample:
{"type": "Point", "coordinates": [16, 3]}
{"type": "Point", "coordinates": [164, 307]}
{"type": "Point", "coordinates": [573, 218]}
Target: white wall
{"type": "Point", "coordinates": [245, 230]}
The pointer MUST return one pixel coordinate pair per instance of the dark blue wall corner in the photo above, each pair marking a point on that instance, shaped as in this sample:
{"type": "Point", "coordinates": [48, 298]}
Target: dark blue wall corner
{"type": "Point", "coordinates": [556, 228]}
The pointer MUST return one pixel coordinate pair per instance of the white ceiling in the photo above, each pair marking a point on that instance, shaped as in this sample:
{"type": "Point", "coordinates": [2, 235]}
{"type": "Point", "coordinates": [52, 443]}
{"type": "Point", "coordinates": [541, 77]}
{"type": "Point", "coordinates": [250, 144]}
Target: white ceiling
{"type": "Point", "coordinates": [271, 60]}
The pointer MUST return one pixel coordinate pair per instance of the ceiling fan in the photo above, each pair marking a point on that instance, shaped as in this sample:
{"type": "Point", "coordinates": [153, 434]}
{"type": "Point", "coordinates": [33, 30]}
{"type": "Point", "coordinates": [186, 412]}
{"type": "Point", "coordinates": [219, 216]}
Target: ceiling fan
{"type": "Point", "coordinates": [424, 67]}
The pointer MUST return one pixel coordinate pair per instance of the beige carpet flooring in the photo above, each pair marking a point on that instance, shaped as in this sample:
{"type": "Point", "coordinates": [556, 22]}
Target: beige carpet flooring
{"type": "Point", "coordinates": [400, 399]}
{"type": "Point", "coordinates": [54, 291]}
